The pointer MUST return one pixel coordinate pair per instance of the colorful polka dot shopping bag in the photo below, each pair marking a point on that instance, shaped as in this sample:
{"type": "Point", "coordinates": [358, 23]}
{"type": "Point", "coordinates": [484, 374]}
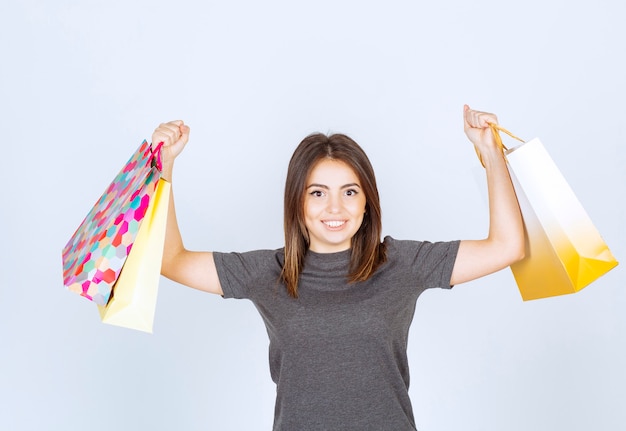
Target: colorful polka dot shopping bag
{"type": "Point", "coordinates": [114, 257]}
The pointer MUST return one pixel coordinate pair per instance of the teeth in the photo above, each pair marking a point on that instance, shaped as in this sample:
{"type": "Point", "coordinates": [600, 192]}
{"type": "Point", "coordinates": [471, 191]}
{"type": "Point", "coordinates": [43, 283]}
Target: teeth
{"type": "Point", "coordinates": [334, 223]}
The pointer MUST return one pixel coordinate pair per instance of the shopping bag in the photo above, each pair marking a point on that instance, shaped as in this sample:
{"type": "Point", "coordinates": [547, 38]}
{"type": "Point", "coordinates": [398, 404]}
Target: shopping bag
{"type": "Point", "coordinates": [133, 301]}
{"type": "Point", "coordinates": [564, 250]}
{"type": "Point", "coordinates": [95, 255]}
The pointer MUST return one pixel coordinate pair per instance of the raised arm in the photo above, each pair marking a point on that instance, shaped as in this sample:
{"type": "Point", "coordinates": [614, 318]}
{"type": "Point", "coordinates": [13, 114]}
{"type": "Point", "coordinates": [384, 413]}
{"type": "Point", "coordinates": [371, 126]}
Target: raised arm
{"type": "Point", "coordinates": [504, 244]}
{"type": "Point", "coordinates": [193, 269]}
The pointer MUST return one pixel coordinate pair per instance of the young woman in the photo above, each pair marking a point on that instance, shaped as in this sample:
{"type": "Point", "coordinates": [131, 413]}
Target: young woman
{"type": "Point", "coordinates": [337, 301]}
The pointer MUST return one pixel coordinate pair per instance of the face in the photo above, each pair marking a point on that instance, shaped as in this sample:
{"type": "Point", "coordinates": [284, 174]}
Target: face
{"type": "Point", "coordinates": [333, 207]}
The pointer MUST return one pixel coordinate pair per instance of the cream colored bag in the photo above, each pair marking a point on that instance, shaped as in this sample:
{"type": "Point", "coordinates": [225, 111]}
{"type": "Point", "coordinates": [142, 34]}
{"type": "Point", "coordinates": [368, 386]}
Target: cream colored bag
{"type": "Point", "coordinates": [133, 302]}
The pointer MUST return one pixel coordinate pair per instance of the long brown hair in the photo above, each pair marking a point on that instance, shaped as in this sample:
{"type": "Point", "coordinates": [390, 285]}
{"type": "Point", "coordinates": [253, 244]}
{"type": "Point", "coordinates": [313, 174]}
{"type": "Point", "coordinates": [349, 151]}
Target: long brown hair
{"type": "Point", "coordinates": [367, 251]}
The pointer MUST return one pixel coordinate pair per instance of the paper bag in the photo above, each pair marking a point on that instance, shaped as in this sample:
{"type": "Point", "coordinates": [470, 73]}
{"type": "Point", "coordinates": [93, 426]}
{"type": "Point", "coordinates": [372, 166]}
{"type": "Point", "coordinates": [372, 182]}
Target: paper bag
{"type": "Point", "coordinates": [133, 302]}
{"type": "Point", "coordinates": [564, 251]}
{"type": "Point", "coordinates": [95, 254]}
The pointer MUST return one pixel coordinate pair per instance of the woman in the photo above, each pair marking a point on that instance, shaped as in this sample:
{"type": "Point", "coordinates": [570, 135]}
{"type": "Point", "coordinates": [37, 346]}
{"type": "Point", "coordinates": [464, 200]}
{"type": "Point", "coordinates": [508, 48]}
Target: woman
{"type": "Point", "coordinates": [336, 301]}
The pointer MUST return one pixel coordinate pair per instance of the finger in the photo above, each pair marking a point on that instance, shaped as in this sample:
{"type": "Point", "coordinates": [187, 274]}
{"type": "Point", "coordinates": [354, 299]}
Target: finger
{"type": "Point", "coordinates": [472, 116]}
{"type": "Point", "coordinates": [466, 117]}
{"type": "Point", "coordinates": [163, 135]}
{"type": "Point", "coordinates": [169, 127]}
{"type": "Point", "coordinates": [486, 118]}
{"type": "Point", "coordinates": [184, 130]}
{"type": "Point", "coordinates": [479, 119]}
{"type": "Point", "coordinates": [167, 132]}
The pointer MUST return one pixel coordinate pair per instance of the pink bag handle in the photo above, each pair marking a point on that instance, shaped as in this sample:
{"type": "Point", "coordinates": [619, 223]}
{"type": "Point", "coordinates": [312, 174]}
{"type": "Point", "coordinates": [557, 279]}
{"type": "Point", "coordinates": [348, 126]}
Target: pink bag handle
{"type": "Point", "coordinates": [156, 156]}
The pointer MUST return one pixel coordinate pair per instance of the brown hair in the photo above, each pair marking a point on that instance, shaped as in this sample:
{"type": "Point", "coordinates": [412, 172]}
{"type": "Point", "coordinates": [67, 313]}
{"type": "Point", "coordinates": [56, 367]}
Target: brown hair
{"type": "Point", "coordinates": [367, 253]}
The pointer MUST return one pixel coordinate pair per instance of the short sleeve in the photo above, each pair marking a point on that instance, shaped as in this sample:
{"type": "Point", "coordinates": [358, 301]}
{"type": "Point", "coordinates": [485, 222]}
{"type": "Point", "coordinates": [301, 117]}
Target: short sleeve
{"type": "Point", "coordinates": [246, 275]}
{"type": "Point", "coordinates": [429, 263]}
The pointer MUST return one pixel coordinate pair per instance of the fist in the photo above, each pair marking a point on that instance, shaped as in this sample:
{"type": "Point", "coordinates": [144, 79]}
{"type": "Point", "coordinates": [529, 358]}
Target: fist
{"type": "Point", "coordinates": [174, 136]}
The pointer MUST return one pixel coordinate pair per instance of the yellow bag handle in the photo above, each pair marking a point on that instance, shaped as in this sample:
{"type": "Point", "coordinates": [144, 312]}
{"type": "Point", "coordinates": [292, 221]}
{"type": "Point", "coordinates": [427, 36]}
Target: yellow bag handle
{"type": "Point", "coordinates": [495, 128]}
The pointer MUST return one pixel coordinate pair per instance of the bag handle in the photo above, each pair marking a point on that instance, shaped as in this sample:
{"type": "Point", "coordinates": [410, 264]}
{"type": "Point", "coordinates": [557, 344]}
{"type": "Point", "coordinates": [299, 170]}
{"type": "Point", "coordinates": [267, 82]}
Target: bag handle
{"type": "Point", "coordinates": [156, 156]}
{"type": "Point", "coordinates": [495, 129]}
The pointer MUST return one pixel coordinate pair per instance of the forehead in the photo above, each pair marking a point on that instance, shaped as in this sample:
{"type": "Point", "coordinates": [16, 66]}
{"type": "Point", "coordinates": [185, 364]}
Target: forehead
{"type": "Point", "coordinates": [332, 172]}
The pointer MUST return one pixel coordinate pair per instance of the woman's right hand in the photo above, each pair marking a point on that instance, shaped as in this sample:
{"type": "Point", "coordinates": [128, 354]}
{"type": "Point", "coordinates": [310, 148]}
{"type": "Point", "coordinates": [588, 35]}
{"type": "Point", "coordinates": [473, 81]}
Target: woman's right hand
{"type": "Point", "coordinates": [174, 135]}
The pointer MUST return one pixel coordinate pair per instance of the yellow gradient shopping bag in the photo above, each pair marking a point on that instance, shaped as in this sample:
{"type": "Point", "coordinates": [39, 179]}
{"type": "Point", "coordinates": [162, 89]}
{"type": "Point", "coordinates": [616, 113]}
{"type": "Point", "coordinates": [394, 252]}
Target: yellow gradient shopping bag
{"type": "Point", "coordinates": [564, 250]}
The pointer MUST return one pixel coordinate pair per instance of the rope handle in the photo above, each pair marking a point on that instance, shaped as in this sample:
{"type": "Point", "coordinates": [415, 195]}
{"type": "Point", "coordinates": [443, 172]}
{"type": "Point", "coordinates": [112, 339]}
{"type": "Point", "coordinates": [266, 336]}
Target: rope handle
{"type": "Point", "coordinates": [495, 129]}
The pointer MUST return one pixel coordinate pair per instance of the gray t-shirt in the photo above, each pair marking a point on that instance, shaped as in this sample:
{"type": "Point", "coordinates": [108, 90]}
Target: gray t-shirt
{"type": "Point", "coordinates": [338, 352]}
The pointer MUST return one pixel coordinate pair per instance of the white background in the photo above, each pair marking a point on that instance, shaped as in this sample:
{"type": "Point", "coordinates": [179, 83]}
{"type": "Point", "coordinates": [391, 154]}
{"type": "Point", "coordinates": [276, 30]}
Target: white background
{"type": "Point", "coordinates": [83, 82]}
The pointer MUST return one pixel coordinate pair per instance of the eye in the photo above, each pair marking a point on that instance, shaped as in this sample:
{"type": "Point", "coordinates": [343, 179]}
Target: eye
{"type": "Point", "coordinates": [317, 193]}
{"type": "Point", "coordinates": [351, 192]}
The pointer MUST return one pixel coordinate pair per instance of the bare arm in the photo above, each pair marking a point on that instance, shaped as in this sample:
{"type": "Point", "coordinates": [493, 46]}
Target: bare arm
{"type": "Point", "coordinates": [193, 269]}
{"type": "Point", "coordinates": [504, 244]}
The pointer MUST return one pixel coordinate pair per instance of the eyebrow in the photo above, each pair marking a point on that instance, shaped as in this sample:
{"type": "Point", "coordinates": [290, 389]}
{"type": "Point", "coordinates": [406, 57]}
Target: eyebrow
{"type": "Point", "coordinates": [323, 186]}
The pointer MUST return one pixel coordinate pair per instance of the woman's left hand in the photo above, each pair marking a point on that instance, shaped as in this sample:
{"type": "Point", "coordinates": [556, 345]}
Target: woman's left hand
{"type": "Point", "coordinates": [505, 241]}
{"type": "Point", "coordinates": [476, 126]}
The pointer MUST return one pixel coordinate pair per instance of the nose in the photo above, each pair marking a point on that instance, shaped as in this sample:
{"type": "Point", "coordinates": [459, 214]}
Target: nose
{"type": "Point", "coordinates": [334, 204]}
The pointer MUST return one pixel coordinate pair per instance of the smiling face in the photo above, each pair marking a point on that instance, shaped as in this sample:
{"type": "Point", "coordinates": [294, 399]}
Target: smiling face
{"type": "Point", "coordinates": [333, 206]}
